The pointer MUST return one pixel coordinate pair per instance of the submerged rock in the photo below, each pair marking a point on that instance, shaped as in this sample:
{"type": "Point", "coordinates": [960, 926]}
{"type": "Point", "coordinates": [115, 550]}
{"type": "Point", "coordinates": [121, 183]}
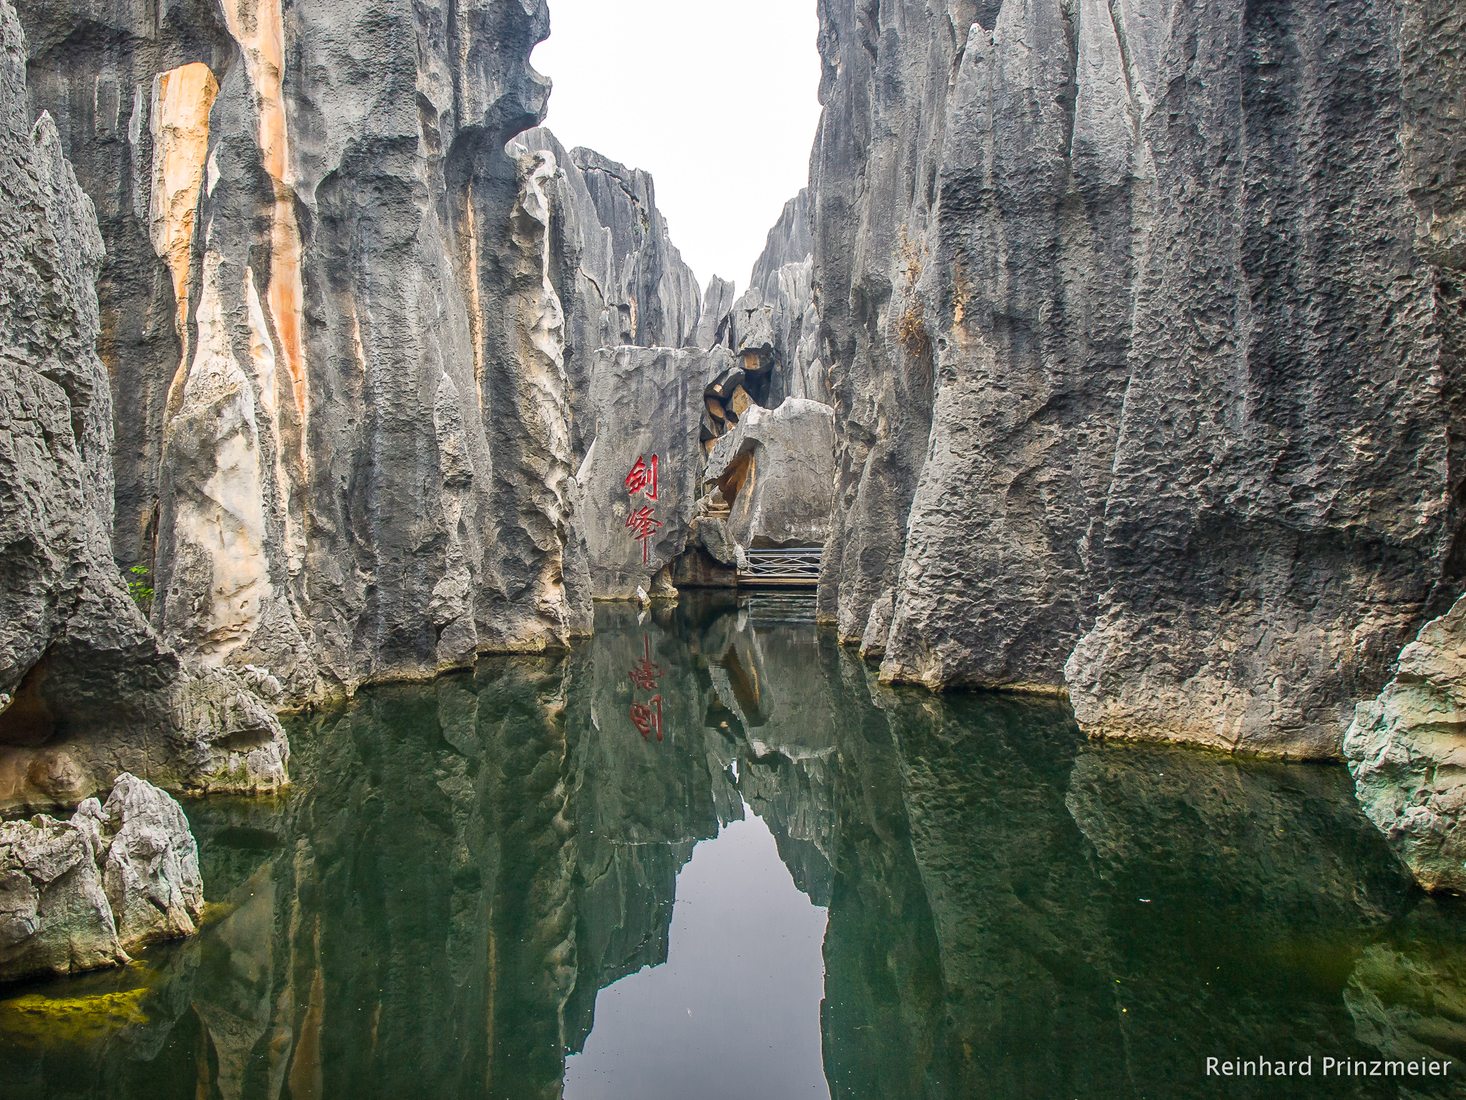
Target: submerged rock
{"type": "Point", "coordinates": [1407, 750]}
{"type": "Point", "coordinates": [78, 895]}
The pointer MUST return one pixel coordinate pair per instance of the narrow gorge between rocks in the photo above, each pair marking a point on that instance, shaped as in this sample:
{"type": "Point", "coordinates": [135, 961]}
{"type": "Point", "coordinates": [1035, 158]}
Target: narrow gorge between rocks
{"type": "Point", "coordinates": [1014, 643]}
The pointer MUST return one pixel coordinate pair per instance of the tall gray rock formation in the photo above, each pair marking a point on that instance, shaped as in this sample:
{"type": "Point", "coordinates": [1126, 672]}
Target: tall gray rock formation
{"type": "Point", "coordinates": [783, 276]}
{"type": "Point", "coordinates": [642, 475]}
{"type": "Point", "coordinates": [344, 443]}
{"type": "Point", "coordinates": [86, 688]}
{"type": "Point", "coordinates": [1145, 334]}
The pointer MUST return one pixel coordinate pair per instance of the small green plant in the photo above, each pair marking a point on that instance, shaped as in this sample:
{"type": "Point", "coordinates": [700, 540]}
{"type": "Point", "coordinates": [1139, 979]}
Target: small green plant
{"type": "Point", "coordinates": [139, 588]}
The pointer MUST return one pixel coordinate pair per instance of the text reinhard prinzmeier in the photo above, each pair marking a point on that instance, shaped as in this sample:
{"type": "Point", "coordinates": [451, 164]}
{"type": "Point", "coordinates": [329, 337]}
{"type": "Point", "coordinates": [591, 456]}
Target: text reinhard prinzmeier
{"type": "Point", "coordinates": [1327, 1067]}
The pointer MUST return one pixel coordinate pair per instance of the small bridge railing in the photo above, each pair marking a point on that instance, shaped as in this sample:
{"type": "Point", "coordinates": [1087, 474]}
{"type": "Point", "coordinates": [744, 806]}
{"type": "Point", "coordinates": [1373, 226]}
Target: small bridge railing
{"type": "Point", "coordinates": [793, 566]}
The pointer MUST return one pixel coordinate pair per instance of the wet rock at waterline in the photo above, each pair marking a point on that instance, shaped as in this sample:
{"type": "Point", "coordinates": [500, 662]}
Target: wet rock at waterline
{"type": "Point", "coordinates": [78, 895]}
{"type": "Point", "coordinates": [1407, 750]}
{"type": "Point", "coordinates": [89, 688]}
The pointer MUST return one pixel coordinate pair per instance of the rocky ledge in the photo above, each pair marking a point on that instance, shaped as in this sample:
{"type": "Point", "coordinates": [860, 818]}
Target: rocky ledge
{"type": "Point", "coordinates": [1408, 754]}
{"type": "Point", "coordinates": [79, 895]}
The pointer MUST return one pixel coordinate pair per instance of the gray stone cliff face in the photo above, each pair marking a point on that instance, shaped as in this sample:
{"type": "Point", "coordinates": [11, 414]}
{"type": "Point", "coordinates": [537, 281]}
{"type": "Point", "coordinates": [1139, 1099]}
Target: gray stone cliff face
{"type": "Point", "coordinates": [644, 402]}
{"type": "Point", "coordinates": [87, 690]}
{"type": "Point", "coordinates": [1145, 338]}
{"type": "Point", "coordinates": [343, 415]}
{"type": "Point", "coordinates": [618, 275]}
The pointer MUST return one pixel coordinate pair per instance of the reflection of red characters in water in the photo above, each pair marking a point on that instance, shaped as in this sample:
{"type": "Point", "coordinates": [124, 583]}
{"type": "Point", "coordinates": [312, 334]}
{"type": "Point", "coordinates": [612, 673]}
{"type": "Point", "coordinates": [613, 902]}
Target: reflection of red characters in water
{"type": "Point", "coordinates": [643, 478]}
{"type": "Point", "coordinates": [645, 672]}
{"type": "Point", "coordinates": [647, 717]}
{"type": "Point", "coordinates": [643, 522]}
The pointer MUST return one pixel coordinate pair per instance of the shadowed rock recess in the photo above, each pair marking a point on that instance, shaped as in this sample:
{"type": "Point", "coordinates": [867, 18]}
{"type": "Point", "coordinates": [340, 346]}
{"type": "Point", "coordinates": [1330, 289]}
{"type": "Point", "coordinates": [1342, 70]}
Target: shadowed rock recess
{"type": "Point", "coordinates": [1145, 325]}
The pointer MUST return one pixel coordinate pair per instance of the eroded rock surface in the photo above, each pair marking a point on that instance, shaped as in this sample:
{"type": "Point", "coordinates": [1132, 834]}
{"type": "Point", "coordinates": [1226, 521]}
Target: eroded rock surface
{"type": "Point", "coordinates": [343, 415]}
{"type": "Point", "coordinates": [644, 401]}
{"type": "Point", "coordinates": [1145, 334]}
{"type": "Point", "coordinates": [1407, 750]}
{"type": "Point", "coordinates": [775, 472]}
{"type": "Point", "coordinates": [88, 689]}
{"type": "Point", "coordinates": [78, 895]}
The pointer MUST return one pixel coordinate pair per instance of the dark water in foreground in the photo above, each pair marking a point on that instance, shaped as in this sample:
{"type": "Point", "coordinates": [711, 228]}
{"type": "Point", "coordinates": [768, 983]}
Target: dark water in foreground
{"type": "Point", "coordinates": [506, 884]}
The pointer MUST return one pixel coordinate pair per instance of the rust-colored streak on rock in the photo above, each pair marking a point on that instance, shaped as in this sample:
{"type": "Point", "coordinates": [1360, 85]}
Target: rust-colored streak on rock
{"type": "Point", "coordinates": [259, 30]}
{"type": "Point", "coordinates": [182, 100]}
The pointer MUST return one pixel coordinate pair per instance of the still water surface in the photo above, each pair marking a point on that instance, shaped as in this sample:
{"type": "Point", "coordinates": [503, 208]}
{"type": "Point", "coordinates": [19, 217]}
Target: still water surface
{"type": "Point", "coordinates": [705, 855]}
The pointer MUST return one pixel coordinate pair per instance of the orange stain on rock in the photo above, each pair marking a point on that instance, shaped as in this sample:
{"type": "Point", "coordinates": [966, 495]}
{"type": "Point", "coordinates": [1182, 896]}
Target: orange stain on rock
{"type": "Point", "coordinates": [182, 100]}
{"type": "Point", "coordinates": [260, 32]}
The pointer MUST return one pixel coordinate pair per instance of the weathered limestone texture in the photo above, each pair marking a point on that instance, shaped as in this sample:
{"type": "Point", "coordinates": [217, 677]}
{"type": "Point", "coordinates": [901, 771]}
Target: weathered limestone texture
{"type": "Point", "coordinates": [87, 688]}
{"type": "Point", "coordinates": [615, 268]}
{"type": "Point", "coordinates": [1284, 508]}
{"type": "Point", "coordinates": [783, 275]}
{"type": "Point", "coordinates": [645, 403]}
{"type": "Point", "coordinates": [343, 415]}
{"type": "Point", "coordinates": [1144, 326]}
{"type": "Point", "coordinates": [776, 473]}
{"type": "Point", "coordinates": [1407, 750]}
{"type": "Point", "coordinates": [78, 895]}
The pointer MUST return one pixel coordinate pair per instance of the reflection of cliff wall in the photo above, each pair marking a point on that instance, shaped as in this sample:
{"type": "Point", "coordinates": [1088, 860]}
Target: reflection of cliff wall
{"type": "Point", "coordinates": [1011, 911]}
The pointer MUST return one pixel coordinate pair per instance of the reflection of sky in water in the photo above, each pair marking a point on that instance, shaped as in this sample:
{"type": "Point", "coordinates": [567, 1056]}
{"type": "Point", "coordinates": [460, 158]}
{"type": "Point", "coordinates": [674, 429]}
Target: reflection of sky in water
{"type": "Point", "coordinates": [735, 1010]}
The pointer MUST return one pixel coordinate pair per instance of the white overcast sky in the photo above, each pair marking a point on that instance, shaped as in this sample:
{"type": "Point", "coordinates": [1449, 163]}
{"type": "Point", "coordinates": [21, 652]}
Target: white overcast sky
{"type": "Point", "coordinates": [718, 103]}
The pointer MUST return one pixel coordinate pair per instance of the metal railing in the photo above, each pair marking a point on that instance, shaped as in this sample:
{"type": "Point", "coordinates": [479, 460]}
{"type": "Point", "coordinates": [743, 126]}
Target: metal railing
{"type": "Point", "coordinates": [790, 566]}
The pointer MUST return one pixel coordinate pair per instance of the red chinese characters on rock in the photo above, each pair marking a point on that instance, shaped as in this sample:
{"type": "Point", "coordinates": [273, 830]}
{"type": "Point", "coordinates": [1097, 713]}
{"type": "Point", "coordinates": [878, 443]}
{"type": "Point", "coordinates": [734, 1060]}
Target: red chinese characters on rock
{"type": "Point", "coordinates": [643, 478]}
{"type": "Point", "coordinates": [647, 716]}
{"type": "Point", "coordinates": [643, 522]}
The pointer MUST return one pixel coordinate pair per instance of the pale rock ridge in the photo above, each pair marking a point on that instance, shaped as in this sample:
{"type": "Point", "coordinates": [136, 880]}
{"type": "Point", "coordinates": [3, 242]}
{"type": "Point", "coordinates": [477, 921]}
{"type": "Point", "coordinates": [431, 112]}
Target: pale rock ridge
{"type": "Point", "coordinates": [89, 689]}
{"type": "Point", "coordinates": [1407, 750]}
{"type": "Point", "coordinates": [775, 470]}
{"type": "Point", "coordinates": [614, 266]}
{"type": "Point", "coordinates": [79, 895]}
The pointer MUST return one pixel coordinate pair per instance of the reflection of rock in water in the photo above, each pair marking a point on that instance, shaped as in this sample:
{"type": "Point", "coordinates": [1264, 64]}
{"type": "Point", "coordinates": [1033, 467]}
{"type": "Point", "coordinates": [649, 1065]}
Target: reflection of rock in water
{"type": "Point", "coordinates": [1407, 994]}
{"type": "Point", "coordinates": [1231, 898]}
{"type": "Point", "coordinates": [1014, 913]}
{"type": "Point", "coordinates": [640, 804]}
{"type": "Point", "coordinates": [882, 1021]}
